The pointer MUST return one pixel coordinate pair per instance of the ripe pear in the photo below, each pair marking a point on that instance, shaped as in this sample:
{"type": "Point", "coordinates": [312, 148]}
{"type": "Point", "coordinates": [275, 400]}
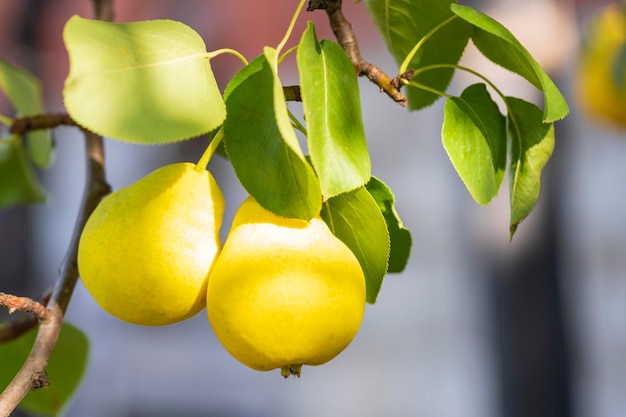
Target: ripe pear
{"type": "Point", "coordinates": [600, 77]}
{"type": "Point", "coordinates": [147, 249]}
{"type": "Point", "coordinates": [284, 292]}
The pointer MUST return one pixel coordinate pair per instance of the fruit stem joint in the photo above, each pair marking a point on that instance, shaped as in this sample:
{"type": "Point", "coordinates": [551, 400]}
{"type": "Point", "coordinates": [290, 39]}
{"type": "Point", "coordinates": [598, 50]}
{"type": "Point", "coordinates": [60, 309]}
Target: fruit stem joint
{"type": "Point", "coordinates": [289, 370]}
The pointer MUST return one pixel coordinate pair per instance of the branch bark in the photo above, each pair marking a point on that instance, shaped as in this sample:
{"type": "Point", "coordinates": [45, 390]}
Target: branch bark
{"type": "Point", "coordinates": [33, 372]}
{"type": "Point", "coordinates": [32, 375]}
{"type": "Point", "coordinates": [15, 329]}
{"type": "Point", "coordinates": [23, 125]}
{"type": "Point", "coordinates": [24, 304]}
{"type": "Point", "coordinates": [346, 37]}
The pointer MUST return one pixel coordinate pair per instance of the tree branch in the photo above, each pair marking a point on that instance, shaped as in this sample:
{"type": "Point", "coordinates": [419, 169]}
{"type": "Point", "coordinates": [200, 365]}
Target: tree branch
{"type": "Point", "coordinates": [24, 304]}
{"type": "Point", "coordinates": [24, 125]}
{"type": "Point", "coordinates": [33, 372]}
{"type": "Point", "coordinates": [347, 39]}
{"type": "Point", "coordinates": [15, 329]}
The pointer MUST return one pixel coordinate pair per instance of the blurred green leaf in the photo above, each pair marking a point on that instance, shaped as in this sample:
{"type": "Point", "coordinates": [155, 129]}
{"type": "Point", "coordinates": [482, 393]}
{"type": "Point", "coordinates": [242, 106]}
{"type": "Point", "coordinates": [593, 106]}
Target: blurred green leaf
{"type": "Point", "coordinates": [403, 23]}
{"type": "Point", "coordinates": [18, 182]}
{"type": "Point", "coordinates": [499, 45]}
{"type": "Point", "coordinates": [332, 110]}
{"type": "Point", "coordinates": [65, 369]}
{"type": "Point", "coordinates": [142, 82]}
{"type": "Point", "coordinates": [355, 218]}
{"type": "Point", "coordinates": [24, 92]}
{"type": "Point", "coordinates": [263, 147]}
{"type": "Point", "coordinates": [399, 236]}
{"type": "Point", "coordinates": [474, 136]}
{"type": "Point", "coordinates": [532, 143]}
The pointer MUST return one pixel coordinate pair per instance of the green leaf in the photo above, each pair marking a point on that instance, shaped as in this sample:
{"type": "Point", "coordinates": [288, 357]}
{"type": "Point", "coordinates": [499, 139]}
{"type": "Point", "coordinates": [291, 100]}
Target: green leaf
{"type": "Point", "coordinates": [24, 92]}
{"type": "Point", "coordinates": [474, 136]}
{"type": "Point", "coordinates": [399, 236]}
{"type": "Point", "coordinates": [65, 369]}
{"type": "Point", "coordinates": [499, 45]}
{"type": "Point", "coordinates": [18, 182]}
{"type": "Point", "coordinates": [403, 23]}
{"type": "Point", "coordinates": [332, 110]}
{"type": "Point", "coordinates": [263, 147]}
{"type": "Point", "coordinates": [142, 82]}
{"type": "Point", "coordinates": [355, 218]}
{"type": "Point", "coordinates": [532, 143]}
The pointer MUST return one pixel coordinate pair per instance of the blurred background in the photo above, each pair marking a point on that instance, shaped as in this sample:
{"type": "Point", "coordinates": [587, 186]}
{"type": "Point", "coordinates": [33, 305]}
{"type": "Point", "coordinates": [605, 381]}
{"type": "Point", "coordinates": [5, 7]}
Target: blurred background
{"type": "Point", "coordinates": [476, 326]}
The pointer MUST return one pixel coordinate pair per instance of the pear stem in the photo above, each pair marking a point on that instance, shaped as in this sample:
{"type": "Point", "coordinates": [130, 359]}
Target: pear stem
{"type": "Point", "coordinates": [210, 150]}
{"type": "Point", "coordinates": [5, 120]}
{"type": "Point", "coordinates": [291, 26]}
{"type": "Point", "coordinates": [289, 370]}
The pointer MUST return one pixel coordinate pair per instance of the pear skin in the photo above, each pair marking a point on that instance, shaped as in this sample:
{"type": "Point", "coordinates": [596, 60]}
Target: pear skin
{"type": "Point", "coordinates": [146, 251]}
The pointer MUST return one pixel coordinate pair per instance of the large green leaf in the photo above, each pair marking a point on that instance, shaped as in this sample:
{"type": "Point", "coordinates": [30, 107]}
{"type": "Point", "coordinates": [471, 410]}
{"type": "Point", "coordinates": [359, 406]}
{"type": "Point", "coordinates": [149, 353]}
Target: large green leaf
{"type": "Point", "coordinates": [141, 82]}
{"type": "Point", "coordinates": [499, 45]}
{"type": "Point", "coordinates": [332, 110]}
{"type": "Point", "coordinates": [263, 147]}
{"type": "Point", "coordinates": [18, 182]}
{"type": "Point", "coordinates": [65, 369]}
{"type": "Point", "coordinates": [474, 136]}
{"type": "Point", "coordinates": [24, 92]}
{"type": "Point", "coordinates": [532, 143]}
{"type": "Point", "coordinates": [403, 23]}
{"type": "Point", "coordinates": [355, 218]}
{"type": "Point", "coordinates": [399, 236]}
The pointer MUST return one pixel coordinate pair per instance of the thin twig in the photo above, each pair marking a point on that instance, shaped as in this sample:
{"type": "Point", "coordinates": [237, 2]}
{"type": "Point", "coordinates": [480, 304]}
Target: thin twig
{"type": "Point", "coordinates": [33, 372]}
{"type": "Point", "coordinates": [15, 329]}
{"type": "Point", "coordinates": [95, 188]}
{"type": "Point", "coordinates": [24, 304]}
{"type": "Point", "coordinates": [24, 125]}
{"type": "Point", "coordinates": [346, 37]}
{"type": "Point", "coordinates": [33, 375]}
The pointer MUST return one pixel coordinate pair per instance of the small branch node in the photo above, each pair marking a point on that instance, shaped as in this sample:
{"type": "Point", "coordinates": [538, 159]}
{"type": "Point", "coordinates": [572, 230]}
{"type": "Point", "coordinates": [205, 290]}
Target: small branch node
{"type": "Point", "coordinates": [399, 81]}
{"type": "Point", "coordinates": [40, 379]}
{"type": "Point", "coordinates": [346, 37]}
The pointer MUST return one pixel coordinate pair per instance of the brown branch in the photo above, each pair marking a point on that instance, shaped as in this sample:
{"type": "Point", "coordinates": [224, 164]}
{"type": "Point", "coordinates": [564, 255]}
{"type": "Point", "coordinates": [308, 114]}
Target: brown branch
{"type": "Point", "coordinates": [24, 125]}
{"type": "Point", "coordinates": [24, 304]}
{"type": "Point", "coordinates": [32, 375]}
{"type": "Point", "coordinates": [292, 93]}
{"type": "Point", "coordinates": [15, 329]}
{"type": "Point", "coordinates": [347, 39]}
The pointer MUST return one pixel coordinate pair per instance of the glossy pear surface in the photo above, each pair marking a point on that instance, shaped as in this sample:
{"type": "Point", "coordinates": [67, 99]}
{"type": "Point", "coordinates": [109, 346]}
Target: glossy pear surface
{"type": "Point", "coordinates": [284, 292]}
{"type": "Point", "coordinates": [147, 249]}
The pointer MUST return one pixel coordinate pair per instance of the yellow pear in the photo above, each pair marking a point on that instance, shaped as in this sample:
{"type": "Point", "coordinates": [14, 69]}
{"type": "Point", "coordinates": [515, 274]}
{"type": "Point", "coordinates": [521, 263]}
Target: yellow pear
{"type": "Point", "coordinates": [284, 292]}
{"type": "Point", "coordinates": [146, 251]}
{"type": "Point", "coordinates": [600, 82]}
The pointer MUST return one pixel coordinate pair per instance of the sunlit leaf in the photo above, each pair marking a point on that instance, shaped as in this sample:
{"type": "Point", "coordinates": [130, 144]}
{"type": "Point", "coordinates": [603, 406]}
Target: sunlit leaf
{"type": "Point", "coordinates": [355, 218]}
{"type": "Point", "coordinates": [499, 45]}
{"type": "Point", "coordinates": [332, 110]}
{"type": "Point", "coordinates": [18, 182]}
{"type": "Point", "coordinates": [532, 143]}
{"type": "Point", "coordinates": [65, 369]}
{"type": "Point", "coordinates": [474, 136]}
{"type": "Point", "coordinates": [403, 23]}
{"type": "Point", "coordinates": [399, 236]}
{"type": "Point", "coordinates": [24, 92]}
{"type": "Point", "coordinates": [262, 146]}
{"type": "Point", "coordinates": [141, 82]}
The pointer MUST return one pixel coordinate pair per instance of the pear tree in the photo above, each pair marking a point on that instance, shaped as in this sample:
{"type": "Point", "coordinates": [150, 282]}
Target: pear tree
{"type": "Point", "coordinates": [124, 77]}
